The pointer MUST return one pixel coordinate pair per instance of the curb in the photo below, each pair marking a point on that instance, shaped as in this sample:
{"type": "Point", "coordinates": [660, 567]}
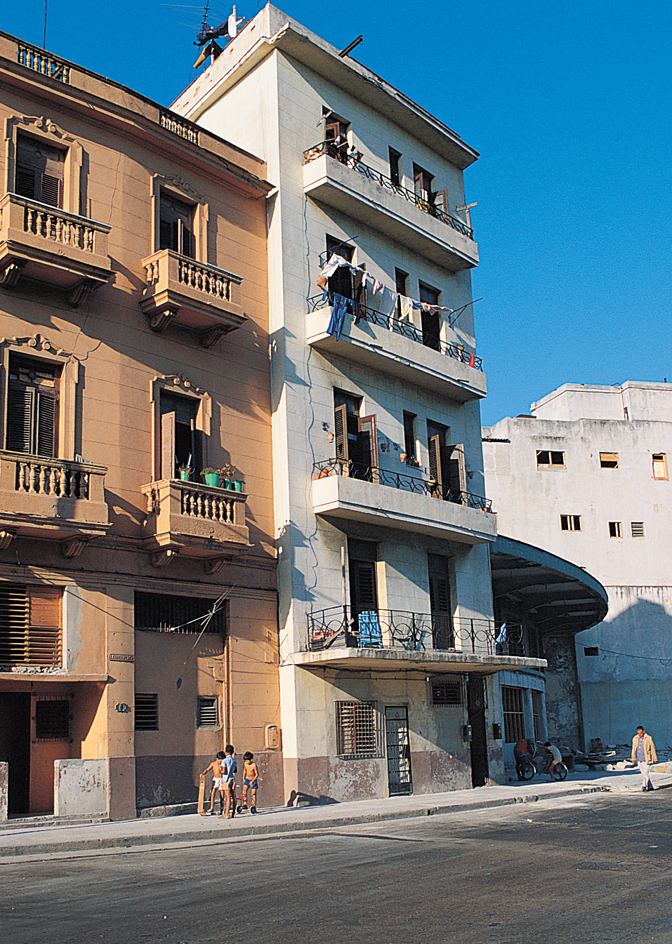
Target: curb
{"type": "Point", "coordinates": [270, 829]}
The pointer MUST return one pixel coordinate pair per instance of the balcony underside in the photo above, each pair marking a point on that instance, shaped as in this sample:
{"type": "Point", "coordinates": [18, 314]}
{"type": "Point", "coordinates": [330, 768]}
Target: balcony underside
{"type": "Point", "coordinates": [340, 497]}
{"type": "Point", "coordinates": [184, 310]}
{"type": "Point", "coordinates": [380, 661]}
{"type": "Point", "coordinates": [336, 185]}
{"type": "Point", "coordinates": [379, 349]}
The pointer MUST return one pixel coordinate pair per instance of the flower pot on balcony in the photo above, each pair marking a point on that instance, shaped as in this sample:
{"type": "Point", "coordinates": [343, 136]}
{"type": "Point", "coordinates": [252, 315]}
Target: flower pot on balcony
{"type": "Point", "coordinates": [212, 479]}
{"type": "Point", "coordinates": [237, 485]}
{"type": "Point", "coordinates": [184, 475]}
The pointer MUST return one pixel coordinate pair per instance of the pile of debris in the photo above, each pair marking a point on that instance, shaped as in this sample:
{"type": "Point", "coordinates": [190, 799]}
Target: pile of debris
{"type": "Point", "coordinates": [616, 757]}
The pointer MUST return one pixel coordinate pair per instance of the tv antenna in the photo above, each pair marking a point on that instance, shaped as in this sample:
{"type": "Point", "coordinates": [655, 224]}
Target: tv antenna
{"type": "Point", "coordinates": [208, 35]}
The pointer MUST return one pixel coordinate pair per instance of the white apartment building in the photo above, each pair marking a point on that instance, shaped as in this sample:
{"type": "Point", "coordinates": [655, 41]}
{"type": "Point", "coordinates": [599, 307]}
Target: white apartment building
{"type": "Point", "coordinates": [387, 656]}
{"type": "Point", "coordinates": [586, 476]}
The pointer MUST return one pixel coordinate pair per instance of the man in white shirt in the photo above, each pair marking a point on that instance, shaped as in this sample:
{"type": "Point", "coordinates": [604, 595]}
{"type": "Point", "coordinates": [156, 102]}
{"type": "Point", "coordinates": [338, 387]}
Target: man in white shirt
{"type": "Point", "coordinates": [556, 758]}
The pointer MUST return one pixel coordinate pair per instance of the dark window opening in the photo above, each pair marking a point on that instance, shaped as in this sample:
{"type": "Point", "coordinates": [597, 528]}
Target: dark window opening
{"type": "Point", "coordinates": [608, 460]}
{"type": "Point", "coordinates": [615, 529]}
{"type": "Point", "coordinates": [32, 407]}
{"type": "Point", "coordinates": [39, 171]}
{"type": "Point", "coordinates": [514, 719]}
{"type": "Point", "coordinates": [181, 440]}
{"type": "Point", "coordinates": [341, 282]}
{"type": "Point", "coordinates": [176, 226]}
{"type": "Point", "coordinates": [447, 469]}
{"type": "Point", "coordinates": [410, 437]}
{"type": "Point", "coordinates": [395, 169]}
{"type": "Point", "coordinates": [362, 557]}
{"type": "Point", "coordinates": [431, 318]}
{"type": "Point", "coordinates": [424, 186]}
{"type": "Point", "coordinates": [447, 691]}
{"type": "Point", "coordinates": [355, 437]}
{"type": "Point", "coordinates": [570, 522]}
{"type": "Point", "coordinates": [52, 720]}
{"type": "Point", "coordinates": [546, 457]}
{"type": "Point", "coordinates": [336, 137]}
{"type": "Point", "coordinates": [146, 712]}
{"type": "Point", "coordinates": [591, 651]}
{"type": "Point", "coordinates": [168, 613]}
{"type": "Point", "coordinates": [440, 603]}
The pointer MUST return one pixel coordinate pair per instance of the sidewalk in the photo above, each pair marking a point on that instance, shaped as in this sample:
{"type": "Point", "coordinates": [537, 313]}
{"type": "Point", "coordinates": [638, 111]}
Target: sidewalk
{"type": "Point", "coordinates": [18, 838]}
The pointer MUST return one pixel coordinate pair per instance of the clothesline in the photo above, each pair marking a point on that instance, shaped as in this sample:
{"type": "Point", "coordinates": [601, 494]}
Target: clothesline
{"type": "Point", "coordinates": [388, 297]}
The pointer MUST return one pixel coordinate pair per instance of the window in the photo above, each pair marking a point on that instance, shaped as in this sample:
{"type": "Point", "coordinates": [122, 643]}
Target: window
{"type": "Point", "coordinates": [440, 603]}
{"type": "Point", "coordinates": [608, 460]}
{"type": "Point", "coordinates": [39, 171]}
{"type": "Point", "coordinates": [615, 529]}
{"type": "Point", "coordinates": [176, 225]}
{"type": "Point", "coordinates": [570, 522]}
{"type": "Point", "coordinates": [447, 690]}
{"type": "Point", "coordinates": [169, 613]}
{"type": "Point", "coordinates": [30, 625]}
{"type": "Point", "coordinates": [356, 438]}
{"type": "Point", "coordinates": [514, 720]}
{"type": "Point", "coordinates": [546, 457]}
{"type": "Point", "coordinates": [637, 529]}
{"type": "Point", "coordinates": [659, 465]}
{"type": "Point", "coordinates": [32, 407]}
{"type": "Point", "coordinates": [410, 440]}
{"type": "Point", "coordinates": [395, 167]}
{"type": "Point", "coordinates": [207, 711]}
{"type": "Point", "coordinates": [357, 729]}
{"type": "Point", "coordinates": [181, 441]}
{"type": "Point", "coordinates": [146, 712]}
{"type": "Point", "coordinates": [424, 184]}
{"type": "Point", "coordinates": [431, 318]}
{"type": "Point", "coordinates": [447, 467]}
{"type": "Point", "coordinates": [362, 558]}
{"type": "Point", "coordinates": [591, 651]}
{"type": "Point", "coordinates": [52, 720]}
{"type": "Point", "coordinates": [336, 136]}
{"type": "Point", "coordinates": [341, 282]}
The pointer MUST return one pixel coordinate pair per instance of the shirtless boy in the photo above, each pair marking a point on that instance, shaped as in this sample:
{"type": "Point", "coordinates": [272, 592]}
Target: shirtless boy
{"type": "Point", "coordinates": [250, 783]}
{"type": "Point", "coordinates": [217, 783]}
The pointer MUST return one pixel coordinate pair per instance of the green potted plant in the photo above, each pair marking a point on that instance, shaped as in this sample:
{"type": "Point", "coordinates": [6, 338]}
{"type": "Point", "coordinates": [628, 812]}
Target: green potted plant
{"type": "Point", "coordinates": [225, 474]}
{"type": "Point", "coordinates": [185, 472]}
{"type": "Point", "coordinates": [210, 476]}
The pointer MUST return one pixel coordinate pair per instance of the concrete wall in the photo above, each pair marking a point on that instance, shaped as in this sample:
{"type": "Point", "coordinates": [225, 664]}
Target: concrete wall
{"type": "Point", "coordinates": [81, 787]}
{"type": "Point", "coordinates": [4, 790]}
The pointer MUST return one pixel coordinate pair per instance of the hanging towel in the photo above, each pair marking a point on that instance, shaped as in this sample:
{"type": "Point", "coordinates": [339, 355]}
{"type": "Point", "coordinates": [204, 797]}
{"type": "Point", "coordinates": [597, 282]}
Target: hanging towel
{"type": "Point", "coordinates": [338, 310]}
{"type": "Point", "coordinates": [388, 302]}
{"type": "Point", "coordinates": [335, 261]}
{"type": "Point", "coordinates": [406, 307]}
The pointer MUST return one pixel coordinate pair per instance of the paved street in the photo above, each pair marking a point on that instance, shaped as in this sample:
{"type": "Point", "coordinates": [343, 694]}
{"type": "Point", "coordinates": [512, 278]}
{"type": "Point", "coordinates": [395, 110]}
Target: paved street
{"type": "Point", "coordinates": [592, 868]}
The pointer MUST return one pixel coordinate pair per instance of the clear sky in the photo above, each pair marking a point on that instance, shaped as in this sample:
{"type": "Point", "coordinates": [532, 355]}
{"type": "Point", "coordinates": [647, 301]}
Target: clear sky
{"type": "Point", "coordinates": [568, 104]}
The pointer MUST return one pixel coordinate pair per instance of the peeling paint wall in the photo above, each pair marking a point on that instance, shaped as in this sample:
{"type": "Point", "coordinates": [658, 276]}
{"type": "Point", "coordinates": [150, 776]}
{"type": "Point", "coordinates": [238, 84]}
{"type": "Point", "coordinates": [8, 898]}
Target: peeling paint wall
{"type": "Point", "coordinates": [81, 787]}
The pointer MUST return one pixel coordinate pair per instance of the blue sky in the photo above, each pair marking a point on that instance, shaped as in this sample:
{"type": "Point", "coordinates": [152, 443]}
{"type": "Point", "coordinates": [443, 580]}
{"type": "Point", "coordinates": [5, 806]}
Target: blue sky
{"type": "Point", "coordinates": [568, 104]}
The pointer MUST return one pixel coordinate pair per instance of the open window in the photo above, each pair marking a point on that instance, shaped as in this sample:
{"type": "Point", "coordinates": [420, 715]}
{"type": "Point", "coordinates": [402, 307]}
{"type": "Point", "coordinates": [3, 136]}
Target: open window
{"type": "Point", "coordinates": [356, 436]}
{"type": "Point", "coordinates": [341, 282]}
{"type": "Point", "coordinates": [395, 167]}
{"type": "Point", "coordinates": [176, 225]}
{"type": "Point", "coordinates": [32, 406]}
{"type": "Point", "coordinates": [447, 467]}
{"type": "Point", "coordinates": [182, 415]}
{"type": "Point", "coordinates": [336, 136]}
{"type": "Point", "coordinates": [180, 217]}
{"type": "Point", "coordinates": [439, 569]}
{"type": "Point", "coordinates": [410, 438]}
{"type": "Point", "coordinates": [431, 317]}
{"type": "Point", "coordinates": [424, 186]}
{"type": "Point", "coordinates": [44, 163]}
{"type": "Point", "coordinates": [362, 558]}
{"type": "Point", "coordinates": [39, 171]}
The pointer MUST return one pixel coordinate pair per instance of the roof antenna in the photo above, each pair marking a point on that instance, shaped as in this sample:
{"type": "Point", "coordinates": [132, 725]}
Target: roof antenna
{"type": "Point", "coordinates": [208, 34]}
{"type": "Point", "coordinates": [348, 49]}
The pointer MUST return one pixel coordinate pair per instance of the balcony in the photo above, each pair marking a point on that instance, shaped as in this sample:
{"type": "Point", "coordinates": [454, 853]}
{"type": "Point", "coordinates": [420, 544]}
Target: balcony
{"type": "Point", "coordinates": [196, 296]}
{"type": "Point", "coordinates": [396, 347]}
{"type": "Point", "coordinates": [194, 520]}
{"type": "Point", "coordinates": [51, 498]}
{"type": "Point", "coordinates": [396, 500]}
{"type": "Point", "coordinates": [49, 245]}
{"type": "Point", "coordinates": [345, 183]}
{"type": "Point", "coordinates": [389, 640]}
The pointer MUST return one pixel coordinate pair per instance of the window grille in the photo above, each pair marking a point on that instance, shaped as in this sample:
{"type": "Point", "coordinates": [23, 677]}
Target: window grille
{"type": "Point", "coordinates": [570, 522]}
{"type": "Point", "coordinates": [208, 715]}
{"type": "Point", "coordinates": [615, 529]}
{"type": "Point", "coordinates": [168, 613]}
{"type": "Point", "coordinates": [514, 719]}
{"type": "Point", "coordinates": [146, 712]}
{"type": "Point", "coordinates": [357, 729]}
{"type": "Point", "coordinates": [52, 720]}
{"type": "Point", "coordinates": [447, 691]}
{"type": "Point", "coordinates": [637, 529]}
{"type": "Point", "coordinates": [30, 625]}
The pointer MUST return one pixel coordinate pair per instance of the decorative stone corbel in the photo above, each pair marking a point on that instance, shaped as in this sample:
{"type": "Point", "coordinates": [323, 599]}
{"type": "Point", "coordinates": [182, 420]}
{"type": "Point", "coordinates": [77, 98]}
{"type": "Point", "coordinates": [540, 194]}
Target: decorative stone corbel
{"type": "Point", "coordinates": [159, 320]}
{"type": "Point", "coordinates": [6, 538]}
{"type": "Point", "coordinates": [164, 557]}
{"type": "Point", "coordinates": [73, 547]}
{"type": "Point", "coordinates": [216, 564]}
{"type": "Point", "coordinates": [210, 337]}
{"type": "Point", "coordinates": [11, 273]}
{"type": "Point", "coordinates": [81, 292]}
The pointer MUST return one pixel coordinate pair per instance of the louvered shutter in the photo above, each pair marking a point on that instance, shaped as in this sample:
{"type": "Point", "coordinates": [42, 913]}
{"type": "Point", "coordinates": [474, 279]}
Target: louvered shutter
{"type": "Point", "coordinates": [456, 469]}
{"type": "Point", "coordinates": [341, 427]}
{"type": "Point", "coordinates": [369, 446]}
{"type": "Point", "coordinates": [45, 432]}
{"type": "Point", "coordinates": [51, 190]}
{"type": "Point", "coordinates": [19, 418]}
{"type": "Point", "coordinates": [434, 445]}
{"type": "Point", "coordinates": [187, 241]}
{"type": "Point", "coordinates": [25, 184]}
{"type": "Point", "coordinates": [363, 587]}
{"type": "Point", "coordinates": [167, 446]}
{"type": "Point", "coordinates": [14, 623]}
{"type": "Point", "coordinates": [45, 625]}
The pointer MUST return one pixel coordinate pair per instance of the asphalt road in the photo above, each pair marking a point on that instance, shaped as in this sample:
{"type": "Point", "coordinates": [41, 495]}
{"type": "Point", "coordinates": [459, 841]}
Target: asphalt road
{"type": "Point", "coordinates": [593, 870]}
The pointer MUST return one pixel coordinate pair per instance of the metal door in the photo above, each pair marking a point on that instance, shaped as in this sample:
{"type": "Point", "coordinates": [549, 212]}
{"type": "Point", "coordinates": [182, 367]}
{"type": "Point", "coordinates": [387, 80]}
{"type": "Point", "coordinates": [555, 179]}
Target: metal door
{"type": "Point", "coordinates": [398, 751]}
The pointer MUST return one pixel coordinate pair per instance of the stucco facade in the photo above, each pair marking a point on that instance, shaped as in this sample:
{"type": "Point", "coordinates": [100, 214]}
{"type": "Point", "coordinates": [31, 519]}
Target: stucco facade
{"type": "Point", "coordinates": [133, 339]}
{"type": "Point", "coordinates": [586, 477]}
{"type": "Point", "coordinates": [387, 192]}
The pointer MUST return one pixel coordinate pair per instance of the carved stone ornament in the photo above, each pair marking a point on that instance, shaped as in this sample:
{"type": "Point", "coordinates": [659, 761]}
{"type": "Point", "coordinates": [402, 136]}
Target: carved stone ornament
{"type": "Point", "coordinates": [81, 292]}
{"type": "Point", "coordinates": [42, 123]}
{"type": "Point", "coordinates": [163, 558]}
{"type": "Point", "coordinates": [37, 343]}
{"type": "Point", "coordinates": [159, 320]}
{"type": "Point", "coordinates": [6, 538]}
{"type": "Point", "coordinates": [215, 565]}
{"type": "Point", "coordinates": [210, 337]}
{"type": "Point", "coordinates": [179, 183]}
{"type": "Point", "coordinates": [73, 547]}
{"type": "Point", "coordinates": [10, 274]}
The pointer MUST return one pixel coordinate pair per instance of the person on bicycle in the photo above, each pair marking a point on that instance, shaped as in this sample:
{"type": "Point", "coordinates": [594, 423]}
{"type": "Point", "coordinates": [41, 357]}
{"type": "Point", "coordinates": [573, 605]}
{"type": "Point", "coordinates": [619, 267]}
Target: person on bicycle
{"type": "Point", "coordinates": [523, 752]}
{"type": "Point", "coordinates": [554, 760]}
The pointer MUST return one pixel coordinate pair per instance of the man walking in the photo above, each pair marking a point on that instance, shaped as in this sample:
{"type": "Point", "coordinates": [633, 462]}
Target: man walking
{"type": "Point", "coordinates": [644, 754]}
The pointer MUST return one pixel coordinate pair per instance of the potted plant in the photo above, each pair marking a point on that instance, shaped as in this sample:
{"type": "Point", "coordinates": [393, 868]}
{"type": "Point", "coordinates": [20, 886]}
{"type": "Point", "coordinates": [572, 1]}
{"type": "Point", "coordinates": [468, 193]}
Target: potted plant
{"type": "Point", "coordinates": [185, 472]}
{"type": "Point", "coordinates": [225, 474]}
{"type": "Point", "coordinates": [210, 476]}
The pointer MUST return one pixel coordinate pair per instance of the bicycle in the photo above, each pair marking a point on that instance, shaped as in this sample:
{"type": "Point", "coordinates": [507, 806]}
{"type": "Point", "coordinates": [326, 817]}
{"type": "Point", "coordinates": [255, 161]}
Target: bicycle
{"type": "Point", "coordinates": [538, 765]}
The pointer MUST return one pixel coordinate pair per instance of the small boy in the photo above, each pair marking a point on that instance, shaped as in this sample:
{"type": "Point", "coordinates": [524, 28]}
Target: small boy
{"type": "Point", "coordinates": [217, 783]}
{"type": "Point", "coordinates": [250, 782]}
{"type": "Point", "coordinates": [229, 768]}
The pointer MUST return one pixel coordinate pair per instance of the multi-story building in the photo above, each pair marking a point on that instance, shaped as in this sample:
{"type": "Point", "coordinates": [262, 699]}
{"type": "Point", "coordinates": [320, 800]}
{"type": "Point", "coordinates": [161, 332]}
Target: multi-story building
{"type": "Point", "coordinates": [388, 654]}
{"type": "Point", "coordinates": [586, 477]}
{"type": "Point", "coordinates": [133, 356]}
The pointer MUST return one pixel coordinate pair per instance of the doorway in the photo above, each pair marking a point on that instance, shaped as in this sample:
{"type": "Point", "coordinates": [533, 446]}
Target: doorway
{"type": "Point", "coordinates": [15, 747]}
{"type": "Point", "coordinates": [479, 738]}
{"type": "Point", "coordinates": [399, 776]}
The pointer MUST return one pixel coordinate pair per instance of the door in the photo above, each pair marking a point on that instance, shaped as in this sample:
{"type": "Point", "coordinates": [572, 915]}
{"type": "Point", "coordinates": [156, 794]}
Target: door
{"type": "Point", "coordinates": [15, 747]}
{"type": "Point", "coordinates": [479, 738]}
{"type": "Point", "coordinates": [398, 751]}
{"type": "Point", "coordinates": [440, 603]}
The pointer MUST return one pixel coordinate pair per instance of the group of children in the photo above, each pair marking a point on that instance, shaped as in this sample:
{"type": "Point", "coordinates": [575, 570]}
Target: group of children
{"type": "Point", "coordinates": [224, 768]}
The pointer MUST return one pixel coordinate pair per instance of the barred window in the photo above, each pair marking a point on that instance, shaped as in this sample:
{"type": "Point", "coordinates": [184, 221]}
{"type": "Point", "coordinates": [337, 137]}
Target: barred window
{"type": "Point", "coordinates": [169, 613]}
{"type": "Point", "coordinates": [207, 713]}
{"type": "Point", "coordinates": [514, 720]}
{"type": "Point", "coordinates": [357, 729]}
{"type": "Point", "coordinates": [447, 691]}
{"type": "Point", "coordinates": [637, 529]}
{"type": "Point", "coordinates": [570, 522]}
{"type": "Point", "coordinates": [52, 720]}
{"type": "Point", "coordinates": [30, 625]}
{"type": "Point", "coordinates": [146, 712]}
{"type": "Point", "coordinates": [549, 457]}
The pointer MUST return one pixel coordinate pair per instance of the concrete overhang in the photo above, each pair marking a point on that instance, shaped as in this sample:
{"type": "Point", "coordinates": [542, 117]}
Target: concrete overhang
{"type": "Point", "coordinates": [431, 662]}
{"type": "Point", "coordinates": [550, 592]}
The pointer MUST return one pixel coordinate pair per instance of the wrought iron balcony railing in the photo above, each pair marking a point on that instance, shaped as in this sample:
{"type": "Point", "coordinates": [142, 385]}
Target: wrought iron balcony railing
{"type": "Point", "coordinates": [400, 480]}
{"type": "Point", "coordinates": [341, 627]}
{"type": "Point", "coordinates": [404, 328]}
{"type": "Point", "coordinates": [353, 159]}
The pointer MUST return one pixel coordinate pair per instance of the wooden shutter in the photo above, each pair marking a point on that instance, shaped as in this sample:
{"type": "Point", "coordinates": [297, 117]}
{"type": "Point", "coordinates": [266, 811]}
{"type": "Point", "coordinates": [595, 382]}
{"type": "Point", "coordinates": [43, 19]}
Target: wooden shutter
{"type": "Point", "coordinates": [363, 594]}
{"type": "Point", "coordinates": [167, 446]}
{"type": "Point", "coordinates": [39, 171]}
{"type": "Point", "coordinates": [369, 440]}
{"type": "Point", "coordinates": [19, 414]}
{"type": "Point", "coordinates": [441, 200]}
{"type": "Point", "coordinates": [341, 427]}
{"type": "Point", "coordinates": [45, 425]}
{"type": "Point", "coordinates": [435, 470]}
{"type": "Point", "coordinates": [456, 468]}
